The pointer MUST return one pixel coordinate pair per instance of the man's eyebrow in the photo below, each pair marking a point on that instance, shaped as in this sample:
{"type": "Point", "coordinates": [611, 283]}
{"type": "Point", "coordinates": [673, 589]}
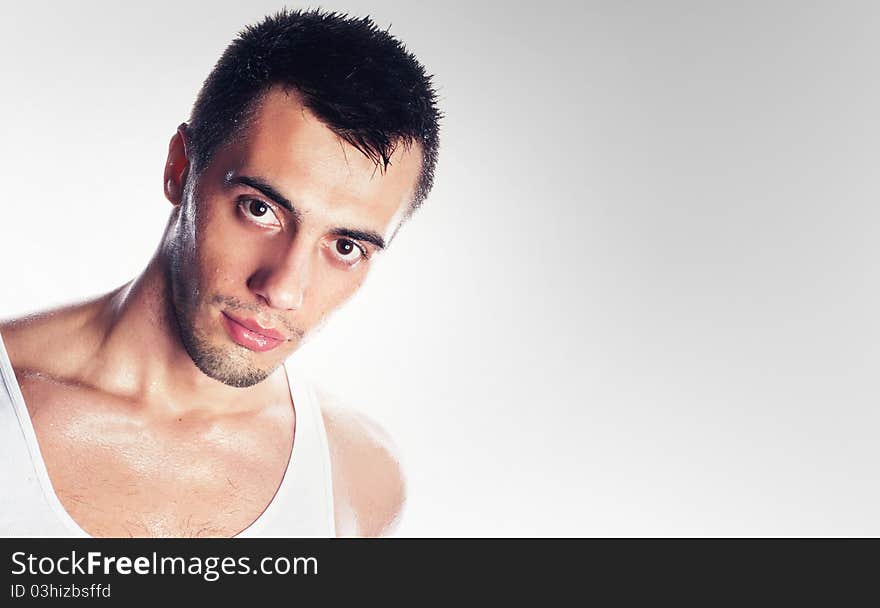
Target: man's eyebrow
{"type": "Point", "coordinates": [270, 192]}
{"type": "Point", "coordinates": [258, 184]}
{"type": "Point", "coordinates": [360, 235]}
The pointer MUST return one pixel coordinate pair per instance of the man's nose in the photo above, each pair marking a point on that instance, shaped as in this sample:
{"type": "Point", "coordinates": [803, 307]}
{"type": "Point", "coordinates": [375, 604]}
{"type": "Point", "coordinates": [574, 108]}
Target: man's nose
{"type": "Point", "coordinates": [282, 281]}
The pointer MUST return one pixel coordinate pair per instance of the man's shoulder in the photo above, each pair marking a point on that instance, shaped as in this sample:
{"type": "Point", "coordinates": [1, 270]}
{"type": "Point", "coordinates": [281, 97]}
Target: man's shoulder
{"type": "Point", "coordinates": [46, 341]}
{"type": "Point", "coordinates": [367, 475]}
{"type": "Point", "coordinates": [45, 351]}
{"type": "Point", "coordinates": [28, 339]}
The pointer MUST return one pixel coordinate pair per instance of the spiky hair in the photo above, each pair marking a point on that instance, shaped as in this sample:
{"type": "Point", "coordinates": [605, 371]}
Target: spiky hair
{"type": "Point", "coordinates": [360, 81]}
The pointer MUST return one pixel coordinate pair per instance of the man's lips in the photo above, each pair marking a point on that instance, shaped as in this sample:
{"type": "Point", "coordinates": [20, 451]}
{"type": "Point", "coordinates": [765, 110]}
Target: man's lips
{"type": "Point", "coordinates": [256, 328]}
{"type": "Point", "coordinates": [250, 335]}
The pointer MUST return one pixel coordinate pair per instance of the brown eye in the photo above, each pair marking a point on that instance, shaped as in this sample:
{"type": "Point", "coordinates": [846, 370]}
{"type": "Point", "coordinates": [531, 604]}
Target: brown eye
{"type": "Point", "coordinates": [258, 208]}
{"type": "Point", "coordinates": [347, 252]}
{"type": "Point", "coordinates": [258, 212]}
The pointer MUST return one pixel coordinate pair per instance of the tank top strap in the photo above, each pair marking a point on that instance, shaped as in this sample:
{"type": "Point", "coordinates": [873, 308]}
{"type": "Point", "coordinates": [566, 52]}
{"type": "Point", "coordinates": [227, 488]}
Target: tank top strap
{"type": "Point", "coordinates": [28, 503]}
{"type": "Point", "coordinates": [303, 504]}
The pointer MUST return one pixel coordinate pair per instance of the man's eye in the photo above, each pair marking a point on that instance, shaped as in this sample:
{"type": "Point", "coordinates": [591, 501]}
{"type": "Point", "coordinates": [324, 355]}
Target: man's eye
{"type": "Point", "coordinates": [347, 251]}
{"type": "Point", "coordinates": [258, 212]}
{"type": "Point", "coordinates": [258, 208]}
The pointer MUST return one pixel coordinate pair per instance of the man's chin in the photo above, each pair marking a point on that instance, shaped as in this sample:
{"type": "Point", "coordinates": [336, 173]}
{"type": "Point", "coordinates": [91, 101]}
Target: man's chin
{"type": "Point", "coordinates": [236, 376]}
{"type": "Point", "coordinates": [230, 364]}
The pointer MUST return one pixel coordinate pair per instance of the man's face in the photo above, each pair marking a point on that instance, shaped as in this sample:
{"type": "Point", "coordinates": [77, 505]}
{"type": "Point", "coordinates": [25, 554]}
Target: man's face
{"type": "Point", "coordinates": [274, 234]}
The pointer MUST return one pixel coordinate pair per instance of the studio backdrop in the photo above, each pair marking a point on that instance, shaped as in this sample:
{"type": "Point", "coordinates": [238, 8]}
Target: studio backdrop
{"type": "Point", "coordinates": [642, 298]}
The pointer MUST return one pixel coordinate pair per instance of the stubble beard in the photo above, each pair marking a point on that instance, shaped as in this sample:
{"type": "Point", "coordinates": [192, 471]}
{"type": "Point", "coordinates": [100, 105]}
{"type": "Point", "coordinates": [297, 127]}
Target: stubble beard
{"type": "Point", "coordinates": [227, 365]}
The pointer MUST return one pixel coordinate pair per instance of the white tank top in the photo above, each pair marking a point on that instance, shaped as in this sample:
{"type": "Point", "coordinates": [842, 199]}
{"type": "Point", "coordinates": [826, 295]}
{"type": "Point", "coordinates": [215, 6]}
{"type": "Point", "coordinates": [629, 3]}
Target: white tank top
{"type": "Point", "coordinates": [29, 507]}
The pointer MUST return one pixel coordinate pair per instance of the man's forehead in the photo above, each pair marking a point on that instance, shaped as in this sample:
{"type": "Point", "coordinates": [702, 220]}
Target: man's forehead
{"type": "Point", "coordinates": [287, 145]}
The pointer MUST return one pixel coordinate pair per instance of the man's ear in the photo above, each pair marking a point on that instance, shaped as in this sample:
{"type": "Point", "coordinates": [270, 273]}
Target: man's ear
{"type": "Point", "coordinates": [177, 166]}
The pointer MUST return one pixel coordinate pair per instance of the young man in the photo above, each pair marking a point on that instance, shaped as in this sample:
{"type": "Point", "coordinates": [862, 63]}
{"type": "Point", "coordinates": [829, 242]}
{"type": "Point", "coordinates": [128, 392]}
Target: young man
{"type": "Point", "coordinates": [164, 407]}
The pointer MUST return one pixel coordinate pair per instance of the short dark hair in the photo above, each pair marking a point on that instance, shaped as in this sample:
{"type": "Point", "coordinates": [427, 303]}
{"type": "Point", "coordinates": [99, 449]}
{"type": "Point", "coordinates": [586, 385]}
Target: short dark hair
{"type": "Point", "coordinates": [360, 81]}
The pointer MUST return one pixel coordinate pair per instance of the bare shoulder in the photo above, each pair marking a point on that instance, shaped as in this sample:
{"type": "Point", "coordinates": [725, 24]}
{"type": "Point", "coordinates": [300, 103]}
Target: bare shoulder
{"type": "Point", "coordinates": [43, 348]}
{"type": "Point", "coordinates": [23, 336]}
{"type": "Point", "coordinates": [50, 340]}
{"type": "Point", "coordinates": [368, 483]}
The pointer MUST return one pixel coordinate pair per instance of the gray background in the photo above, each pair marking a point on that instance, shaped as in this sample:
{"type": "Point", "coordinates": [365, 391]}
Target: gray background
{"type": "Point", "coordinates": [641, 299]}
